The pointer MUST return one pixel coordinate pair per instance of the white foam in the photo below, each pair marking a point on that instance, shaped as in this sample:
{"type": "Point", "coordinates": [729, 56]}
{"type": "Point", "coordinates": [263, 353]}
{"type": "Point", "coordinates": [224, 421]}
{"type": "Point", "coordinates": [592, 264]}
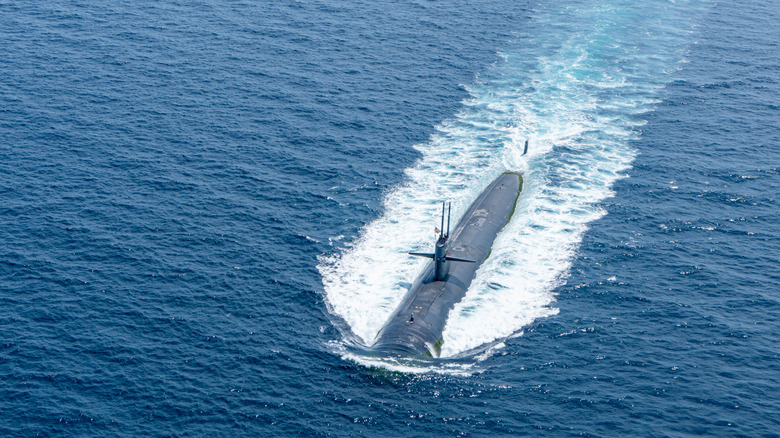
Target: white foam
{"type": "Point", "coordinates": [576, 94]}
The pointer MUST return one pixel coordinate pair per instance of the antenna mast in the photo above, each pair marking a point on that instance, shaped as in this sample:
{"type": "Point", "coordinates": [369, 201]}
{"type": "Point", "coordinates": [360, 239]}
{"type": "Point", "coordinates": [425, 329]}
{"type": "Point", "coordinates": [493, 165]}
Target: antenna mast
{"type": "Point", "coordinates": [441, 232]}
{"type": "Point", "coordinates": [449, 210]}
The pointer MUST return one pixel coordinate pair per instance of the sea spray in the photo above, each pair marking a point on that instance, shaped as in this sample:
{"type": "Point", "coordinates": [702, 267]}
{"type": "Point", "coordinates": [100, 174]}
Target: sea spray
{"type": "Point", "coordinates": [576, 83]}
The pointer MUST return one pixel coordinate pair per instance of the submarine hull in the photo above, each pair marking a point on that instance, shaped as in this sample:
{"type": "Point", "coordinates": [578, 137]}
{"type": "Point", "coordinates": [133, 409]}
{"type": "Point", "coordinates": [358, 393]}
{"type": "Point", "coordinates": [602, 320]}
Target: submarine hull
{"type": "Point", "coordinates": [415, 327]}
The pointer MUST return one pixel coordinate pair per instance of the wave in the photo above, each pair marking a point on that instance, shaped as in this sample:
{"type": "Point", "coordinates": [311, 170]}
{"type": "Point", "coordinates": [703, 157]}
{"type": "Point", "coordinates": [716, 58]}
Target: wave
{"type": "Point", "coordinates": [576, 83]}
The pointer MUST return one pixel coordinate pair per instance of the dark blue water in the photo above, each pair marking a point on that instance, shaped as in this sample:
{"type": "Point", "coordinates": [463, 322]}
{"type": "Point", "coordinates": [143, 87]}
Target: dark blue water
{"type": "Point", "coordinates": [181, 182]}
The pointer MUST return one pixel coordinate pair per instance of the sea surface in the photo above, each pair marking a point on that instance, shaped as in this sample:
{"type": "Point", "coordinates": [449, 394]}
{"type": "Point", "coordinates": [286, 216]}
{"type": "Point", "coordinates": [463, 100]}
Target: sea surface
{"type": "Point", "coordinates": [205, 209]}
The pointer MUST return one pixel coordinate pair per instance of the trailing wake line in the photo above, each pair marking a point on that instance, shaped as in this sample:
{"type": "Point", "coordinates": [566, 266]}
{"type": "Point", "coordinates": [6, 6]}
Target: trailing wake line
{"type": "Point", "coordinates": [578, 85]}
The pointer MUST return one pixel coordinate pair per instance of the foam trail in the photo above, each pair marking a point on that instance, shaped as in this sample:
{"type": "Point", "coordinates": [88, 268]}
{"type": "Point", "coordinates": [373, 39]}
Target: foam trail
{"type": "Point", "coordinates": [576, 84]}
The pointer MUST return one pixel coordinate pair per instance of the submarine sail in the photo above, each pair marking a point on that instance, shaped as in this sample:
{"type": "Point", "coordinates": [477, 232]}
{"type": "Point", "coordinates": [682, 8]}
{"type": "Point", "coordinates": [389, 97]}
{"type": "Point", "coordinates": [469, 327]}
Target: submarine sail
{"type": "Point", "coordinates": [415, 328]}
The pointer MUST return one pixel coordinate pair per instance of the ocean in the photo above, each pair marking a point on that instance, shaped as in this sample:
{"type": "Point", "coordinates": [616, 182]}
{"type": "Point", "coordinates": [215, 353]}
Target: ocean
{"type": "Point", "coordinates": [205, 210]}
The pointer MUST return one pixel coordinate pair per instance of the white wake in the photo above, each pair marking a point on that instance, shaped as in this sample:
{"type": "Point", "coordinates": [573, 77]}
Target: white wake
{"type": "Point", "coordinates": [576, 85]}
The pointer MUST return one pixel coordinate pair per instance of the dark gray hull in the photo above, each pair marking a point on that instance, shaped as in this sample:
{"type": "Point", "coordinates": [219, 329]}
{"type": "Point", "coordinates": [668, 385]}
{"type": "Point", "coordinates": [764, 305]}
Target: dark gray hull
{"type": "Point", "coordinates": [415, 328]}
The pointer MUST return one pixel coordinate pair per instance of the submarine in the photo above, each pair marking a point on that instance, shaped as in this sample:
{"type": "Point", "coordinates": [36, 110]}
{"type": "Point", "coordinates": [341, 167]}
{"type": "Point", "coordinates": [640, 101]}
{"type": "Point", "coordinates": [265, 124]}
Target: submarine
{"type": "Point", "coordinates": [414, 329]}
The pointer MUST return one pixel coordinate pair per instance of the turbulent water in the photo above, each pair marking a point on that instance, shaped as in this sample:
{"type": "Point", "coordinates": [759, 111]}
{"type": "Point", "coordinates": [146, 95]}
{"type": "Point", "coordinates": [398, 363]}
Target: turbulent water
{"type": "Point", "coordinates": [205, 210]}
{"type": "Point", "coordinates": [576, 81]}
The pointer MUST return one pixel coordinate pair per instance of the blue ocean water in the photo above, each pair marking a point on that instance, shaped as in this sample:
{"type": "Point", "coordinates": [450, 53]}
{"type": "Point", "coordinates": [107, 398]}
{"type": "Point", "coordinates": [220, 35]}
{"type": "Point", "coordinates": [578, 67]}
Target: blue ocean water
{"type": "Point", "coordinates": [204, 207]}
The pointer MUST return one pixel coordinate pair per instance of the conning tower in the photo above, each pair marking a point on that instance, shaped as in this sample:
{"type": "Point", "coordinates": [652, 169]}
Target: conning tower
{"type": "Point", "coordinates": [441, 259]}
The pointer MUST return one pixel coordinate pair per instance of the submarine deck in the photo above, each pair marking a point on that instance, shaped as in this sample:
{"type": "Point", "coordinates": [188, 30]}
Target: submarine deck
{"type": "Point", "coordinates": [414, 329]}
